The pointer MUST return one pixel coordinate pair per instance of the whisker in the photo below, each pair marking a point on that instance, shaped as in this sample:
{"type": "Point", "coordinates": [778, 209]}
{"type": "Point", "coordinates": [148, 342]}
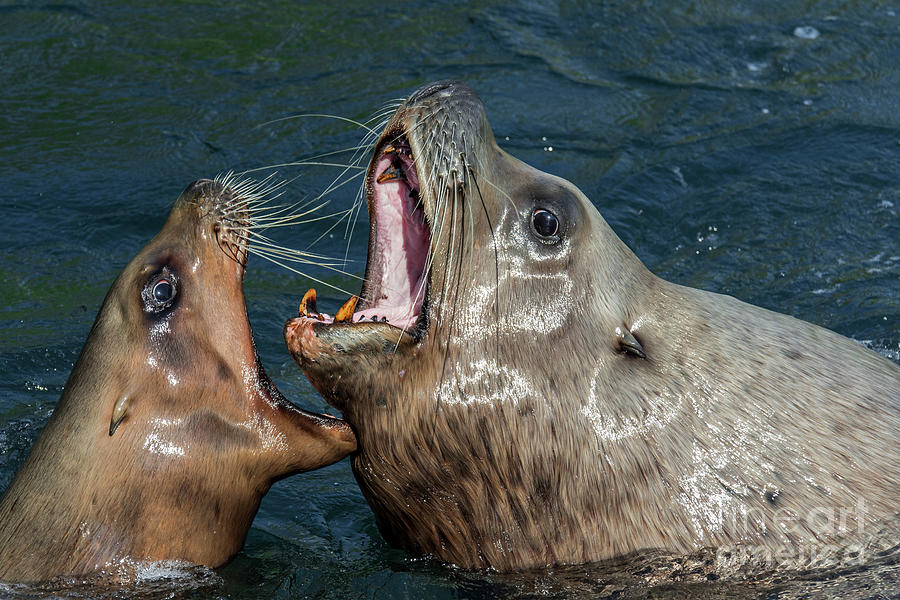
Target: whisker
{"type": "Point", "coordinates": [356, 148]}
{"type": "Point", "coordinates": [301, 163]}
{"type": "Point", "coordinates": [291, 222]}
{"type": "Point", "coordinates": [289, 257]}
{"type": "Point", "coordinates": [359, 200]}
{"type": "Point", "coordinates": [501, 191]}
{"type": "Point", "coordinates": [317, 115]}
{"type": "Point", "coordinates": [256, 197]}
{"type": "Point", "coordinates": [267, 245]}
{"type": "Point", "coordinates": [494, 245]}
{"type": "Point", "coordinates": [307, 276]}
{"type": "Point", "coordinates": [279, 219]}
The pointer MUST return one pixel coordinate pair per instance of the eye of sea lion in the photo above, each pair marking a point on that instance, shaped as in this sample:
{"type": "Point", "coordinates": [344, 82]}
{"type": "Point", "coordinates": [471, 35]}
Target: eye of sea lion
{"type": "Point", "coordinates": [545, 223]}
{"type": "Point", "coordinates": [552, 211]}
{"type": "Point", "coordinates": [163, 291]}
{"type": "Point", "coordinates": [160, 291]}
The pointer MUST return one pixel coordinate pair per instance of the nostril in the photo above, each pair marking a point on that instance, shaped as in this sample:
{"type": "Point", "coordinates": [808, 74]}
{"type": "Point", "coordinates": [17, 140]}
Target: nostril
{"type": "Point", "coordinates": [431, 89]}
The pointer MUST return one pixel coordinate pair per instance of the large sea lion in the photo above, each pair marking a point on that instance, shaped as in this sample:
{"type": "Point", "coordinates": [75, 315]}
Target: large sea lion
{"type": "Point", "coordinates": [168, 432]}
{"type": "Point", "coordinates": [526, 392]}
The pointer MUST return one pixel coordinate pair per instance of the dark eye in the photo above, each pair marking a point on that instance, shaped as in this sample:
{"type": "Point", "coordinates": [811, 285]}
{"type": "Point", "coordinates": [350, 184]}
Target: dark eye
{"type": "Point", "coordinates": [545, 223]}
{"type": "Point", "coordinates": [160, 291]}
{"type": "Point", "coordinates": [163, 291]}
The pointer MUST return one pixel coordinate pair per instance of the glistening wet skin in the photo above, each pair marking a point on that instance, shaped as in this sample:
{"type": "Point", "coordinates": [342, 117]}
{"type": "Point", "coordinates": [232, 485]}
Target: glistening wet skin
{"type": "Point", "coordinates": [554, 401]}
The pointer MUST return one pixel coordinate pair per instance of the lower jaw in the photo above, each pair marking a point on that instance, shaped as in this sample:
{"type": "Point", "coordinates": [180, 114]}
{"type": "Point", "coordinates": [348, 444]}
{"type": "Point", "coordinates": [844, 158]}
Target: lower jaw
{"type": "Point", "coordinates": [315, 344]}
{"type": "Point", "coordinates": [348, 363]}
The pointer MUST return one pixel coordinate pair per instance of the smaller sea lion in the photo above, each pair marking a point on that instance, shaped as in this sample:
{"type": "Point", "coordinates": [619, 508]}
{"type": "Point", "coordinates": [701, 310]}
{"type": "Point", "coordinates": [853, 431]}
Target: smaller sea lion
{"type": "Point", "coordinates": [169, 432]}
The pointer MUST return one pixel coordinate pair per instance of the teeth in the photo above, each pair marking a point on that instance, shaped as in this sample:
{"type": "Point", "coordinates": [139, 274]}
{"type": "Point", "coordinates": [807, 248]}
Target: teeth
{"type": "Point", "coordinates": [308, 304]}
{"type": "Point", "coordinates": [391, 174]}
{"type": "Point", "coordinates": [402, 149]}
{"type": "Point", "coordinates": [345, 314]}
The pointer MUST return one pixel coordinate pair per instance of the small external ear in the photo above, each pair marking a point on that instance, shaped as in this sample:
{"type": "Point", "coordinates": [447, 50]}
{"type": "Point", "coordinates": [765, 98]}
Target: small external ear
{"type": "Point", "coordinates": [628, 343]}
{"type": "Point", "coordinates": [120, 409]}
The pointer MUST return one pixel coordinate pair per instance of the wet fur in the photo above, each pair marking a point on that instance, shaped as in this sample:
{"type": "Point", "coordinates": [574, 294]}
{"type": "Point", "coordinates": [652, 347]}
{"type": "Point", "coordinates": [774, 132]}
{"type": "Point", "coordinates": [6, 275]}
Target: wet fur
{"type": "Point", "coordinates": [204, 434]}
{"type": "Point", "coordinates": [517, 432]}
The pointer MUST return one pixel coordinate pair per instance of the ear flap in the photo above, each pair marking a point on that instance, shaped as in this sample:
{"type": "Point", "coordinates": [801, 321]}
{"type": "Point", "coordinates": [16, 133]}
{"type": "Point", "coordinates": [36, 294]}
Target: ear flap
{"type": "Point", "coordinates": [120, 409]}
{"type": "Point", "coordinates": [628, 343]}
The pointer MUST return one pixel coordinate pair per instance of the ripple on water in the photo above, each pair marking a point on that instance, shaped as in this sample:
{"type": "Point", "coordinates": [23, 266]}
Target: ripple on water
{"type": "Point", "coordinates": [155, 579]}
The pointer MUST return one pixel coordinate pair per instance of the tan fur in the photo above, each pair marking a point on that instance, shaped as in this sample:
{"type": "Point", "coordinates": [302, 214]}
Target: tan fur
{"type": "Point", "coordinates": [204, 432]}
{"type": "Point", "coordinates": [517, 432]}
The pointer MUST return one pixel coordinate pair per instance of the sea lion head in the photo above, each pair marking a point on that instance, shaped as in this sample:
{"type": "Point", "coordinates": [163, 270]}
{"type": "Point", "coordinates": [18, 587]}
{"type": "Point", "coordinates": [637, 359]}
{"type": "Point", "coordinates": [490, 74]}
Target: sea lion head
{"type": "Point", "coordinates": [169, 431]}
{"type": "Point", "coordinates": [484, 278]}
{"type": "Point", "coordinates": [178, 308]}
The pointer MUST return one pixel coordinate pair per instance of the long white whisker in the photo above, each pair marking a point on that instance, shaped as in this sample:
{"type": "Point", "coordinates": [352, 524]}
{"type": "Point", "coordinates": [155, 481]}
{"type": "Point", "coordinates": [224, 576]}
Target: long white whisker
{"type": "Point", "coordinates": [301, 163]}
{"type": "Point", "coordinates": [268, 245]}
{"type": "Point", "coordinates": [307, 276]}
{"type": "Point", "coordinates": [288, 257]}
{"type": "Point", "coordinates": [317, 115]}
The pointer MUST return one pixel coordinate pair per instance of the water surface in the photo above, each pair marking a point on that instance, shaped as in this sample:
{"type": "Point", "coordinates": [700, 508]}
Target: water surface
{"type": "Point", "coordinates": [751, 150]}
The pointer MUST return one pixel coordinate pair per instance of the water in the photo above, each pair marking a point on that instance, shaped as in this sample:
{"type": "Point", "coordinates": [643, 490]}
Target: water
{"type": "Point", "coordinates": [750, 149]}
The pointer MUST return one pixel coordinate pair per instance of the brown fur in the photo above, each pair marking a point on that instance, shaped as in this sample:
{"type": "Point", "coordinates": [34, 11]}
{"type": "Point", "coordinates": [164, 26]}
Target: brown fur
{"type": "Point", "coordinates": [204, 434]}
{"type": "Point", "coordinates": [516, 431]}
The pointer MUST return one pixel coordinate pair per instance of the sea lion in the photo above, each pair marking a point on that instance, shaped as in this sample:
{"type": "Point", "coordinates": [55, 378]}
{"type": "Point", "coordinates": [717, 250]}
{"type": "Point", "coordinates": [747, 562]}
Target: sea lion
{"type": "Point", "coordinates": [169, 432]}
{"type": "Point", "coordinates": [525, 392]}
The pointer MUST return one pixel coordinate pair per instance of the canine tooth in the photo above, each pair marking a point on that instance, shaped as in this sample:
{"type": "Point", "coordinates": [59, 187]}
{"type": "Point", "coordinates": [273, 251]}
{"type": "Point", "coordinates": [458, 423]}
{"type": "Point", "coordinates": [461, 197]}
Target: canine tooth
{"type": "Point", "coordinates": [308, 304]}
{"type": "Point", "coordinates": [346, 311]}
{"type": "Point", "coordinates": [389, 149]}
{"type": "Point", "coordinates": [392, 173]}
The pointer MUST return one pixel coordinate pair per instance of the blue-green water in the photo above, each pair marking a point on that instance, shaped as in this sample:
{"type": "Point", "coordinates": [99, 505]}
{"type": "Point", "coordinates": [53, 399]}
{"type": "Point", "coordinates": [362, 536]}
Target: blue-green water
{"type": "Point", "coordinates": [752, 150]}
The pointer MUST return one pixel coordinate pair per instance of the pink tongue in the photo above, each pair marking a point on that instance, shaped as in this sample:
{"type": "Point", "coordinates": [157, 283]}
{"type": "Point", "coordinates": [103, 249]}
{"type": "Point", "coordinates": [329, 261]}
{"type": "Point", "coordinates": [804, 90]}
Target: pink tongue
{"type": "Point", "coordinates": [402, 245]}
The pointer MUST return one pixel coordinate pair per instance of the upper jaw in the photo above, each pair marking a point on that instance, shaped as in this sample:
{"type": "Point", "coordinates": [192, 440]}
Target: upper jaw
{"type": "Point", "coordinates": [415, 162]}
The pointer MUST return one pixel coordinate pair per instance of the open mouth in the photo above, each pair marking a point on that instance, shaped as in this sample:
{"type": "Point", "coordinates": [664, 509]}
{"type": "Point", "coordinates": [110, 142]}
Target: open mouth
{"type": "Point", "coordinates": [395, 288]}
